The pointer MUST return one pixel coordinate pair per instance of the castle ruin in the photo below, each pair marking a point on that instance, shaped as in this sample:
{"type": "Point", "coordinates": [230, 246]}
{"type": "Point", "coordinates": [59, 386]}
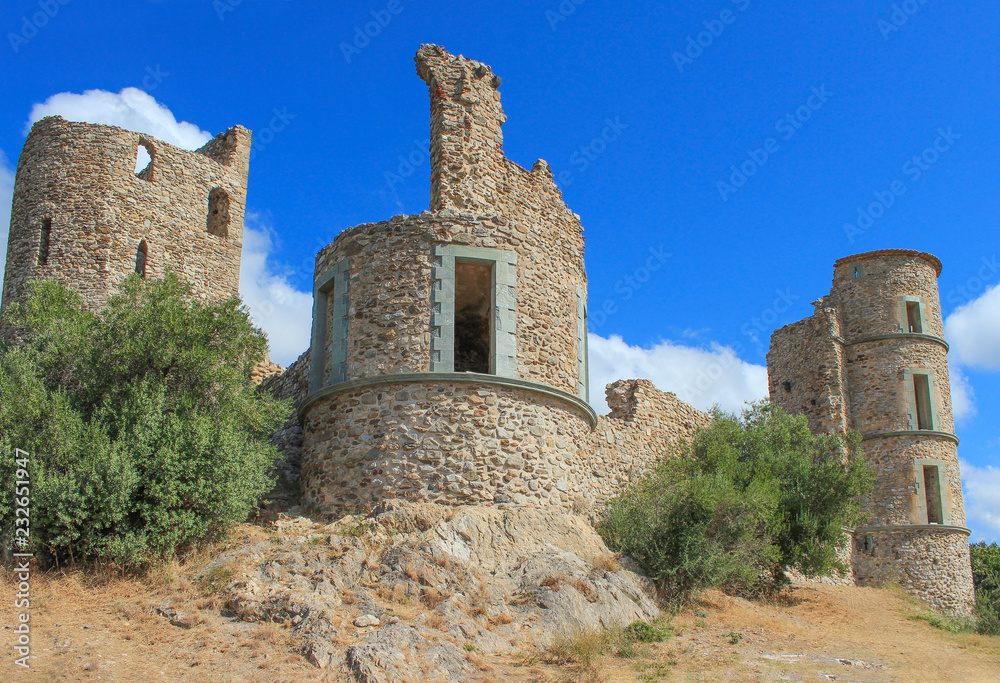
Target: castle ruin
{"type": "Point", "coordinates": [83, 216]}
{"type": "Point", "coordinates": [873, 358]}
{"type": "Point", "coordinates": [448, 359]}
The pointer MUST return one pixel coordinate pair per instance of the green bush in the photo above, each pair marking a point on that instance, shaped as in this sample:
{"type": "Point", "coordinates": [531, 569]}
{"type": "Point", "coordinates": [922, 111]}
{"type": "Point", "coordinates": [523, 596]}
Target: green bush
{"type": "Point", "coordinates": [986, 578]}
{"type": "Point", "coordinates": [751, 496]}
{"type": "Point", "coordinates": [143, 430]}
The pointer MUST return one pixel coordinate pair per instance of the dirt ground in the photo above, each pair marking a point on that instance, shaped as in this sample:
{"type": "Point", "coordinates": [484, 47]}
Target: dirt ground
{"type": "Point", "coordinates": [106, 628]}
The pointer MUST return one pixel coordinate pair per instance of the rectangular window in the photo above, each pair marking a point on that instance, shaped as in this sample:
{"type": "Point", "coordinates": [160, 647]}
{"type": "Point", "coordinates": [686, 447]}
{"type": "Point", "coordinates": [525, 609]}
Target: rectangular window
{"type": "Point", "coordinates": [932, 493]}
{"type": "Point", "coordinates": [473, 316]}
{"type": "Point", "coordinates": [913, 317]}
{"type": "Point", "coordinates": [43, 242]}
{"type": "Point", "coordinates": [922, 395]}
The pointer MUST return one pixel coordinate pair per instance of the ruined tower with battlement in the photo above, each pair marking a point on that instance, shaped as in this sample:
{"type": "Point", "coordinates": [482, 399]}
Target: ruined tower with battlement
{"type": "Point", "coordinates": [449, 348]}
{"type": "Point", "coordinates": [82, 215]}
{"type": "Point", "coordinates": [873, 358]}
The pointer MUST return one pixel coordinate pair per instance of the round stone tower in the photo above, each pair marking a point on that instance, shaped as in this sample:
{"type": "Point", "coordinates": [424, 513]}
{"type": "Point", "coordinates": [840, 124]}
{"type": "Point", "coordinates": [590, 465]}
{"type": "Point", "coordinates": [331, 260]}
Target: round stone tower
{"type": "Point", "coordinates": [449, 348]}
{"type": "Point", "coordinates": [82, 214]}
{"type": "Point", "coordinates": [873, 358]}
{"type": "Point", "coordinates": [896, 364]}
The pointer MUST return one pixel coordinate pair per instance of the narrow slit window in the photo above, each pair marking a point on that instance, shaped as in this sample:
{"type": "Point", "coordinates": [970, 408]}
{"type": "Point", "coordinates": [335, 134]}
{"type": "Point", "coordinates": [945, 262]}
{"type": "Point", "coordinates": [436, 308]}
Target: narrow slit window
{"type": "Point", "coordinates": [141, 255]}
{"type": "Point", "coordinates": [218, 213]}
{"type": "Point", "coordinates": [144, 157]}
{"type": "Point", "coordinates": [913, 317]}
{"type": "Point", "coordinates": [44, 237]}
{"type": "Point", "coordinates": [473, 316]}
{"type": "Point", "coordinates": [922, 395]}
{"type": "Point", "coordinates": [932, 494]}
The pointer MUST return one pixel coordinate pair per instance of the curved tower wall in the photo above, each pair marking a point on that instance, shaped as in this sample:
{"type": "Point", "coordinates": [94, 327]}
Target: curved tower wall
{"type": "Point", "coordinates": [80, 211]}
{"type": "Point", "coordinates": [390, 411]}
{"type": "Point", "coordinates": [873, 359]}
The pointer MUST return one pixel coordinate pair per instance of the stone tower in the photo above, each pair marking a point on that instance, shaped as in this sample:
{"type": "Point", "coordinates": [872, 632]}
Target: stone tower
{"type": "Point", "coordinates": [82, 215]}
{"type": "Point", "coordinates": [873, 358]}
{"type": "Point", "coordinates": [448, 357]}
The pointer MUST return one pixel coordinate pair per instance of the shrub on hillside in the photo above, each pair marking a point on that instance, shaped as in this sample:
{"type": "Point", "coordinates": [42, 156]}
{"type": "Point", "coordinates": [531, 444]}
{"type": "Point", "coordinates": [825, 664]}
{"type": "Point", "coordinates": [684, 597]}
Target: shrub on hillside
{"type": "Point", "coordinates": [143, 431]}
{"type": "Point", "coordinates": [986, 577]}
{"type": "Point", "coordinates": [751, 496]}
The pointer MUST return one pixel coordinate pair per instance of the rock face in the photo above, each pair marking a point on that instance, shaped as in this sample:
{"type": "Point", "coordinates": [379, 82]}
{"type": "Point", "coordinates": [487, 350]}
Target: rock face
{"type": "Point", "coordinates": [425, 592]}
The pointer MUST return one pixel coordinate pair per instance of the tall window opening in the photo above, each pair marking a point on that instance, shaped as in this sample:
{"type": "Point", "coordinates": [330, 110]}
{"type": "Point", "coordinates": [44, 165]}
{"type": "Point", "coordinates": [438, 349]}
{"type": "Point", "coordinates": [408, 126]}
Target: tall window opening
{"type": "Point", "coordinates": [144, 155]}
{"type": "Point", "coordinates": [218, 213]}
{"type": "Point", "coordinates": [922, 395]}
{"type": "Point", "coordinates": [45, 234]}
{"type": "Point", "coordinates": [473, 316]}
{"type": "Point", "coordinates": [932, 493]}
{"type": "Point", "coordinates": [141, 255]}
{"type": "Point", "coordinates": [913, 317]}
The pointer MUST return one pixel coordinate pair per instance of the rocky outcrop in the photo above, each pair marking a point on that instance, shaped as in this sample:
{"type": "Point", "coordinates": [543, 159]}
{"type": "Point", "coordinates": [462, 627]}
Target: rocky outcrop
{"type": "Point", "coordinates": [426, 592]}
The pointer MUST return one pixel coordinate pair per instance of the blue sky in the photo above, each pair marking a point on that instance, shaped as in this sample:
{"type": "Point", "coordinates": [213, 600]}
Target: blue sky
{"type": "Point", "coordinates": [644, 111]}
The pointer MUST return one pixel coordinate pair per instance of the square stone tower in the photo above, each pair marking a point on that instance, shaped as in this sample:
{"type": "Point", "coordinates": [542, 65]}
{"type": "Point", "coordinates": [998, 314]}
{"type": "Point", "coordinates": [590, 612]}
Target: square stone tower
{"type": "Point", "coordinates": [82, 215]}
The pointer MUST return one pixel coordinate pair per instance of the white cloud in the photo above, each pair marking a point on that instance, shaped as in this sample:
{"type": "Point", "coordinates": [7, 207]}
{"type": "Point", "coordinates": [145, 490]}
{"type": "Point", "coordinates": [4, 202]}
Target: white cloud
{"type": "Point", "coordinates": [700, 377]}
{"type": "Point", "coordinates": [974, 332]}
{"type": "Point", "coordinates": [981, 490]}
{"type": "Point", "coordinates": [131, 109]}
{"type": "Point", "coordinates": [283, 312]}
{"type": "Point", "coordinates": [963, 397]}
{"type": "Point", "coordinates": [6, 196]}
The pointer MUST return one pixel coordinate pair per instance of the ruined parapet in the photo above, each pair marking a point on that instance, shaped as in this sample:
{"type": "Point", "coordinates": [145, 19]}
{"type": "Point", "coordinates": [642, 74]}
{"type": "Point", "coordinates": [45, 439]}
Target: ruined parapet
{"type": "Point", "coordinates": [873, 355]}
{"type": "Point", "coordinates": [449, 348]}
{"type": "Point", "coordinates": [82, 215]}
{"type": "Point", "coordinates": [644, 425]}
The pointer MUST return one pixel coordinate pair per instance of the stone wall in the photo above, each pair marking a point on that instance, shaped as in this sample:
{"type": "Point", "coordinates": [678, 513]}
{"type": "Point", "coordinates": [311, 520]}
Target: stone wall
{"type": "Point", "coordinates": [291, 384]}
{"type": "Point", "coordinates": [76, 185]}
{"type": "Point", "coordinates": [932, 564]}
{"type": "Point", "coordinates": [443, 442]}
{"type": "Point", "coordinates": [643, 425]}
{"type": "Point", "coordinates": [805, 369]}
{"type": "Point", "coordinates": [390, 293]}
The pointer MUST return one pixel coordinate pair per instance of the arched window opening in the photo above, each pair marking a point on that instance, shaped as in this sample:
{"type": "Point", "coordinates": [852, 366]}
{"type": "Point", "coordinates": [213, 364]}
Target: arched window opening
{"type": "Point", "coordinates": [218, 213]}
{"type": "Point", "coordinates": [144, 158]}
{"type": "Point", "coordinates": [45, 235]}
{"type": "Point", "coordinates": [141, 255]}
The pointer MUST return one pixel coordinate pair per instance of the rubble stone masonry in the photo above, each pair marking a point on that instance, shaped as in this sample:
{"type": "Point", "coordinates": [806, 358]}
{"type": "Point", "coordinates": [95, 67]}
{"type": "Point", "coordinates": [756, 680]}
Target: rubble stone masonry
{"type": "Point", "coordinates": [872, 358]}
{"type": "Point", "coordinates": [81, 214]}
{"type": "Point", "coordinates": [492, 278]}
